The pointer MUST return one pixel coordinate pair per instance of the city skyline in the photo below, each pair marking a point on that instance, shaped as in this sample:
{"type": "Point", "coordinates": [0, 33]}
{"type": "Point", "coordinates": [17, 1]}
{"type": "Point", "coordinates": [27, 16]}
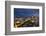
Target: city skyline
{"type": "Point", "coordinates": [26, 17]}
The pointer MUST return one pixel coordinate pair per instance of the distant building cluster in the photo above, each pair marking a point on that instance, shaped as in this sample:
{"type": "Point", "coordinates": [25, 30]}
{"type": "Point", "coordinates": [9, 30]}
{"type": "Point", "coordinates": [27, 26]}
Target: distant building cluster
{"type": "Point", "coordinates": [20, 21]}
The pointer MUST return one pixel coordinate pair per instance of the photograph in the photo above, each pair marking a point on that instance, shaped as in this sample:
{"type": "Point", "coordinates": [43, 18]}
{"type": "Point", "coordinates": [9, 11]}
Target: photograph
{"type": "Point", "coordinates": [25, 17]}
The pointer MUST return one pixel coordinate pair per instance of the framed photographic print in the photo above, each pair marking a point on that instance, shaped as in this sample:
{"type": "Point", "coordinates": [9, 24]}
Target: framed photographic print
{"type": "Point", "coordinates": [24, 17]}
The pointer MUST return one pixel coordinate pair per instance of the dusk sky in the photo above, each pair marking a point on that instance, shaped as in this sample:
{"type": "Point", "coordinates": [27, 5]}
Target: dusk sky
{"type": "Point", "coordinates": [25, 12]}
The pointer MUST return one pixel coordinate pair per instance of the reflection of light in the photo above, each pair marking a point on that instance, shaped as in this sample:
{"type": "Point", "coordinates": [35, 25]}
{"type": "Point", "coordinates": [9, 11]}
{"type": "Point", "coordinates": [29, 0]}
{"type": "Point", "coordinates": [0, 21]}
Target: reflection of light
{"type": "Point", "coordinates": [17, 21]}
{"type": "Point", "coordinates": [32, 21]}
